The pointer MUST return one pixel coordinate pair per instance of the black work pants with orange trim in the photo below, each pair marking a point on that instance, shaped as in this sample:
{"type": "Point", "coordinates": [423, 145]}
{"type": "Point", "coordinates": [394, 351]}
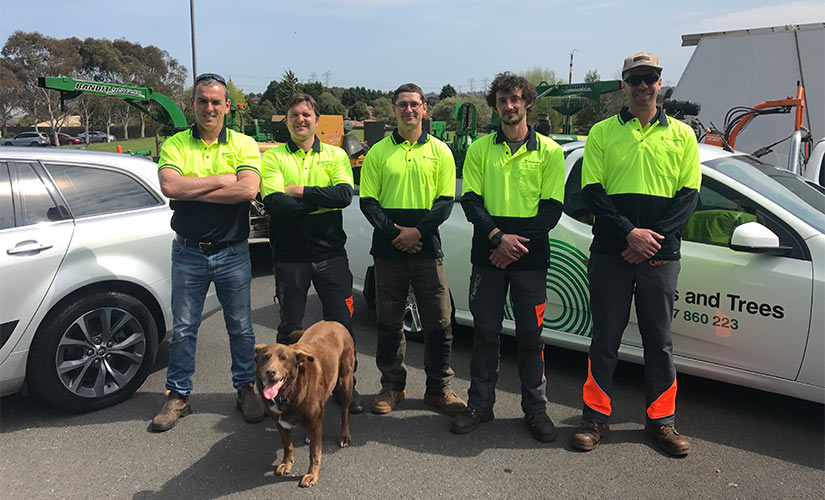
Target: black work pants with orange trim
{"type": "Point", "coordinates": [332, 280]}
{"type": "Point", "coordinates": [613, 284]}
{"type": "Point", "coordinates": [393, 279]}
{"type": "Point", "coordinates": [488, 292]}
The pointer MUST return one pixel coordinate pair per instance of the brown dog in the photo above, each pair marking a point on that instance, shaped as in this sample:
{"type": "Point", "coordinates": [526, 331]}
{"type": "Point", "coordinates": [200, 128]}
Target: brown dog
{"type": "Point", "coordinates": [295, 381]}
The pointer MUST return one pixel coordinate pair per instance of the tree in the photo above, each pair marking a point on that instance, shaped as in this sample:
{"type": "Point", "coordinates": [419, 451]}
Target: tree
{"type": "Point", "coordinates": [359, 111]}
{"type": "Point", "coordinates": [445, 111]}
{"type": "Point", "coordinates": [32, 55]}
{"type": "Point", "coordinates": [446, 92]}
{"type": "Point", "coordinates": [537, 75]}
{"type": "Point", "coordinates": [329, 104]}
{"type": "Point", "coordinates": [382, 110]}
{"type": "Point", "coordinates": [9, 94]}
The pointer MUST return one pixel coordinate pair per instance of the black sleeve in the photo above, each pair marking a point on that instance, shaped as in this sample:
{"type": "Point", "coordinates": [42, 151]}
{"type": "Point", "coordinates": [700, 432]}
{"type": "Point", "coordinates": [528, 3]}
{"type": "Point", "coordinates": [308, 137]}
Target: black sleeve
{"type": "Point", "coordinates": [684, 203]}
{"type": "Point", "coordinates": [379, 219]}
{"type": "Point", "coordinates": [602, 207]}
{"type": "Point", "coordinates": [338, 196]}
{"type": "Point", "coordinates": [473, 205]}
{"type": "Point", "coordinates": [440, 211]}
{"type": "Point", "coordinates": [546, 219]}
{"type": "Point", "coordinates": [280, 205]}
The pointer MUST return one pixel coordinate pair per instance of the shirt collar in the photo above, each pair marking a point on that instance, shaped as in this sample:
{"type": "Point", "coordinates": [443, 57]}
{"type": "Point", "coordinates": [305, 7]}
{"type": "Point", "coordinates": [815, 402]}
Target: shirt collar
{"type": "Point", "coordinates": [660, 116]}
{"type": "Point", "coordinates": [397, 139]}
{"type": "Point", "coordinates": [197, 134]}
{"type": "Point", "coordinates": [532, 142]}
{"type": "Point", "coordinates": [293, 148]}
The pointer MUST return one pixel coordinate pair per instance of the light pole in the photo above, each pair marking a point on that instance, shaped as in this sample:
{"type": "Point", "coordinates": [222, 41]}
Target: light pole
{"type": "Point", "coordinates": [194, 52]}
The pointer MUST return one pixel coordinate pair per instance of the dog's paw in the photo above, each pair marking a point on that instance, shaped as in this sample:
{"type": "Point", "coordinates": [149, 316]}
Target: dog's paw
{"type": "Point", "coordinates": [283, 469]}
{"type": "Point", "coordinates": [344, 441]}
{"type": "Point", "coordinates": [308, 480]}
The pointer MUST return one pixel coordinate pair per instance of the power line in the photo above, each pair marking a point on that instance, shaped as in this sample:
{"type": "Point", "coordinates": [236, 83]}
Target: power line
{"type": "Point", "coordinates": [326, 75]}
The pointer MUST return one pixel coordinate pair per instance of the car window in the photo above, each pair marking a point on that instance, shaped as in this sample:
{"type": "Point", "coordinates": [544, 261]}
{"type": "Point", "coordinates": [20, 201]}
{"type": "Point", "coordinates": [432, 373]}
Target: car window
{"type": "Point", "coordinates": [36, 204]}
{"type": "Point", "coordinates": [94, 191]}
{"type": "Point", "coordinates": [6, 204]}
{"type": "Point", "coordinates": [574, 204]}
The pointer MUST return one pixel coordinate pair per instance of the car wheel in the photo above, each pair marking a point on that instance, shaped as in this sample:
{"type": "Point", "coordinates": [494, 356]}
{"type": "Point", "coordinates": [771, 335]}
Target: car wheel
{"type": "Point", "coordinates": [413, 330]}
{"type": "Point", "coordinates": [7, 143]}
{"type": "Point", "coordinates": [94, 352]}
{"type": "Point", "coordinates": [34, 144]}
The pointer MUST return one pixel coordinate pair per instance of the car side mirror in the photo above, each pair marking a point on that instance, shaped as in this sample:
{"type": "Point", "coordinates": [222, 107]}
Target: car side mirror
{"type": "Point", "coordinates": [753, 237]}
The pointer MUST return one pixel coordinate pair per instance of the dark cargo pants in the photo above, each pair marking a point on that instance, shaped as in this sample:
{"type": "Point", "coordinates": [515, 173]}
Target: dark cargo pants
{"type": "Point", "coordinates": [429, 282]}
{"type": "Point", "coordinates": [488, 290]}
{"type": "Point", "coordinates": [613, 283]}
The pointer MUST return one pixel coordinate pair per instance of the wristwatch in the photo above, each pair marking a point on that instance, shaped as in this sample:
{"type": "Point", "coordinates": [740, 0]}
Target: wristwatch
{"type": "Point", "coordinates": [495, 240]}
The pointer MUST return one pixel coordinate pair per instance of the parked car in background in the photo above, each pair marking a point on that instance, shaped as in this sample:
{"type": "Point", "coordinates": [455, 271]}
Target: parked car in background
{"type": "Point", "coordinates": [749, 305]}
{"type": "Point", "coordinates": [85, 295]}
{"type": "Point", "coordinates": [27, 139]}
{"type": "Point", "coordinates": [96, 136]}
{"type": "Point", "coordinates": [64, 139]}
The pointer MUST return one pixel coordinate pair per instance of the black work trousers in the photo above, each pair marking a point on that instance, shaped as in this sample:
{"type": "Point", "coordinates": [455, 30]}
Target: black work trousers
{"type": "Point", "coordinates": [613, 284]}
{"type": "Point", "coordinates": [488, 291]}
{"type": "Point", "coordinates": [393, 278]}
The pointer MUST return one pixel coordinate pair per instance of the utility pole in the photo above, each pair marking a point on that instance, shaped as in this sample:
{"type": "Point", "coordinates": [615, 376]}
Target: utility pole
{"type": "Point", "coordinates": [566, 129]}
{"type": "Point", "coordinates": [194, 52]}
{"type": "Point", "coordinates": [484, 82]}
{"type": "Point", "coordinates": [327, 74]}
{"type": "Point", "coordinates": [471, 85]}
{"type": "Point", "coordinates": [313, 77]}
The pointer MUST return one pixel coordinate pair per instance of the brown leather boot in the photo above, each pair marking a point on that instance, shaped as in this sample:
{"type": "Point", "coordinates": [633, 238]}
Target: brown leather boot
{"type": "Point", "coordinates": [449, 402]}
{"type": "Point", "coordinates": [668, 439]}
{"type": "Point", "coordinates": [175, 407]}
{"type": "Point", "coordinates": [589, 435]}
{"type": "Point", "coordinates": [386, 400]}
{"type": "Point", "coordinates": [250, 404]}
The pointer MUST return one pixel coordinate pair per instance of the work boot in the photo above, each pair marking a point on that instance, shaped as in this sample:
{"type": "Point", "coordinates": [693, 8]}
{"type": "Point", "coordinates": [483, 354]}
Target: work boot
{"type": "Point", "coordinates": [589, 435]}
{"type": "Point", "coordinates": [356, 405]}
{"type": "Point", "coordinates": [250, 404]}
{"type": "Point", "coordinates": [386, 400]}
{"type": "Point", "coordinates": [469, 419]}
{"type": "Point", "coordinates": [175, 407]}
{"type": "Point", "coordinates": [449, 402]}
{"type": "Point", "coordinates": [668, 439]}
{"type": "Point", "coordinates": [541, 427]}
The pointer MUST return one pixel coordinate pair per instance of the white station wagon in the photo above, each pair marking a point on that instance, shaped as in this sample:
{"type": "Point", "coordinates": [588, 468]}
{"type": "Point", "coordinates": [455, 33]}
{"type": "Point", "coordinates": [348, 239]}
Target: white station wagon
{"type": "Point", "coordinates": [749, 306]}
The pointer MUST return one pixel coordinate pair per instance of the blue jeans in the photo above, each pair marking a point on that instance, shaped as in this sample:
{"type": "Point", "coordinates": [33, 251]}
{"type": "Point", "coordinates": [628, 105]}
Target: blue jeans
{"type": "Point", "coordinates": [192, 272]}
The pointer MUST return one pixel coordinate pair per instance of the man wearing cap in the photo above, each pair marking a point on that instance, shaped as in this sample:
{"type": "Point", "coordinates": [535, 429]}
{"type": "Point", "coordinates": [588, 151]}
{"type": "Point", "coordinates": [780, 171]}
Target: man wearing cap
{"type": "Point", "coordinates": [640, 178]}
{"type": "Point", "coordinates": [407, 191]}
{"type": "Point", "coordinates": [512, 193]}
{"type": "Point", "coordinates": [210, 173]}
{"type": "Point", "coordinates": [305, 184]}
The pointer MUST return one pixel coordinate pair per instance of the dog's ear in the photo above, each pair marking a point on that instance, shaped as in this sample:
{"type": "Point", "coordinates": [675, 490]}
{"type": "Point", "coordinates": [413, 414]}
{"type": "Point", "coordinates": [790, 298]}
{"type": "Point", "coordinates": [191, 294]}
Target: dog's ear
{"type": "Point", "coordinates": [301, 357]}
{"type": "Point", "coordinates": [259, 349]}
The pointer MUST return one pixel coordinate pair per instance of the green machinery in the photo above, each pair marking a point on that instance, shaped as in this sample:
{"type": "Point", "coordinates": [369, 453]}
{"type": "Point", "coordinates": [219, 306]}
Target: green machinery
{"type": "Point", "coordinates": [569, 98]}
{"type": "Point", "coordinates": [466, 131]}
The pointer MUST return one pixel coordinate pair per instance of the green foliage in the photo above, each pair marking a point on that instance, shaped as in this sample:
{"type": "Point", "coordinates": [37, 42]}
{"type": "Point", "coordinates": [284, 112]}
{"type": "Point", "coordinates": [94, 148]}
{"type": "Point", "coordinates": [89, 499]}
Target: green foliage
{"type": "Point", "coordinates": [611, 103]}
{"type": "Point", "coordinates": [262, 110]}
{"type": "Point", "coordinates": [329, 104]}
{"type": "Point", "coordinates": [447, 91]}
{"type": "Point", "coordinates": [382, 111]}
{"type": "Point", "coordinates": [537, 75]}
{"type": "Point", "coordinates": [445, 111]}
{"type": "Point", "coordinates": [359, 111]}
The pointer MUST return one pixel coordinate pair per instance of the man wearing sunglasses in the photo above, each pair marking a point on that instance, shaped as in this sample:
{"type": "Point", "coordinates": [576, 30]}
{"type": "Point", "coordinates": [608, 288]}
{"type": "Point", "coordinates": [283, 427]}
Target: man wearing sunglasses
{"type": "Point", "coordinates": [407, 191]}
{"type": "Point", "coordinates": [640, 178]}
{"type": "Point", "coordinates": [210, 173]}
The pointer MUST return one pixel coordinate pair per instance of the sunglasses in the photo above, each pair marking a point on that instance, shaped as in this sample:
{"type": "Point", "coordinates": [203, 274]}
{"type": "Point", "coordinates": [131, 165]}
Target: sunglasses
{"type": "Point", "coordinates": [210, 76]}
{"type": "Point", "coordinates": [649, 79]}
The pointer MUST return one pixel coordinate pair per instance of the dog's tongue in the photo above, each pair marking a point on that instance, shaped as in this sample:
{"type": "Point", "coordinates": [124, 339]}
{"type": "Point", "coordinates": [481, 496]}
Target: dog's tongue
{"type": "Point", "coordinates": [271, 390]}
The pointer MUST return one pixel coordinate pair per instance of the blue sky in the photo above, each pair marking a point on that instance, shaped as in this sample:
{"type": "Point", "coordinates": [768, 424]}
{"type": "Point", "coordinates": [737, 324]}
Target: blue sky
{"type": "Point", "coordinates": [383, 43]}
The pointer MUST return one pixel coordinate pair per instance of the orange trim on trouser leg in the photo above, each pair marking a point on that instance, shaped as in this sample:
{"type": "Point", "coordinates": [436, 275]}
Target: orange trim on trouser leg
{"type": "Point", "coordinates": [348, 300]}
{"type": "Point", "coordinates": [540, 313]}
{"type": "Point", "coordinates": [665, 405]}
{"type": "Point", "coordinates": [593, 395]}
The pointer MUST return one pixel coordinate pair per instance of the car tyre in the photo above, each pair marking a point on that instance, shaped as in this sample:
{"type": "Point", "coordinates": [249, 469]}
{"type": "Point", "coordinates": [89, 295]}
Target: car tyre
{"type": "Point", "coordinates": [92, 352]}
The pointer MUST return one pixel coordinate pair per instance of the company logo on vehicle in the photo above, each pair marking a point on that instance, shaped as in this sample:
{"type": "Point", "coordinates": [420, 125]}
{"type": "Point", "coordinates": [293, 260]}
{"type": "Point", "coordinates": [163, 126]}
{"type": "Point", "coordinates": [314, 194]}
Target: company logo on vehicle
{"type": "Point", "coordinates": [568, 294]}
{"type": "Point", "coordinates": [108, 90]}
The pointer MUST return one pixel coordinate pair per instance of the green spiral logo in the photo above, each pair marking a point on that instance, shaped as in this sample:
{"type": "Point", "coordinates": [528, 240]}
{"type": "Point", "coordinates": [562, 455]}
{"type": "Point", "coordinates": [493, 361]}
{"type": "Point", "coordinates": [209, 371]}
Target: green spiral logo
{"type": "Point", "coordinates": [568, 293]}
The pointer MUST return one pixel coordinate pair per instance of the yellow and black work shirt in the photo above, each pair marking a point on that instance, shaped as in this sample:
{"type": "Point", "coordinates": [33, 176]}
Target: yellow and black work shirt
{"type": "Point", "coordinates": [635, 176]}
{"type": "Point", "coordinates": [519, 192]}
{"type": "Point", "coordinates": [409, 184]}
{"type": "Point", "coordinates": [307, 229]}
{"type": "Point", "coordinates": [187, 153]}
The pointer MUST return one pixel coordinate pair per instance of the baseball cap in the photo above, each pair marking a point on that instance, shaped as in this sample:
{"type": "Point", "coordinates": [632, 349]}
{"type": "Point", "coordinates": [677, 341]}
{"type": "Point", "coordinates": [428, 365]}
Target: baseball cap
{"type": "Point", "coordinates": [641, 59]}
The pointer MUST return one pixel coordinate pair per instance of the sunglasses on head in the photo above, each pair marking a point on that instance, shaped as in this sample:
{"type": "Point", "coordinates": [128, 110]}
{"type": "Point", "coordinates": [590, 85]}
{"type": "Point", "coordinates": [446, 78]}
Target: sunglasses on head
{"type": "Point", "coordinates": [210, 76]}
{"type": "Point", "coordinates": [649, 78]}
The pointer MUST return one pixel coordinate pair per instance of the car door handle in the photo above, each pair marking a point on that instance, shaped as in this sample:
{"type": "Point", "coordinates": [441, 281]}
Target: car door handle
{"type": "Point", "coordinates": [28, 247]}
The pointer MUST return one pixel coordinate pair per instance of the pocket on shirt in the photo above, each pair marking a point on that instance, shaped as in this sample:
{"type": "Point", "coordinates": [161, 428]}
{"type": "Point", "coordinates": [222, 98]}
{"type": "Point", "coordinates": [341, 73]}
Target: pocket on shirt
{"type": "Point", "coordinates": [529, 180]}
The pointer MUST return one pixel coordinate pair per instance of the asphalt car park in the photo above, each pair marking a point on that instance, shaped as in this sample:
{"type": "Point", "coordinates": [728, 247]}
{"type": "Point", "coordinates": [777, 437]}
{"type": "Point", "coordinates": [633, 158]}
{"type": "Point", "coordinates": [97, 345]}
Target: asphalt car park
{"type": "Point", "coordinates": [746, 443]}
